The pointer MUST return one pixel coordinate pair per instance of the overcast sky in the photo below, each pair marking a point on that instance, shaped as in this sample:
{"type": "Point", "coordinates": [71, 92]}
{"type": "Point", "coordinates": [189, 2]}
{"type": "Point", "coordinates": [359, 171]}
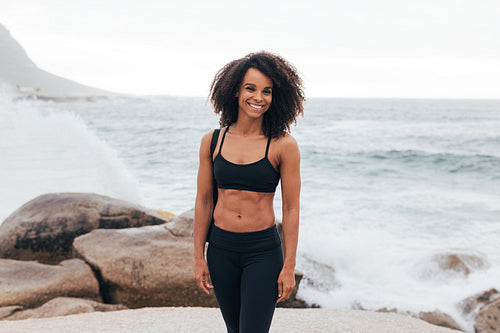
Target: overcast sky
{"type": "Point", "coordinates": [343, 48]}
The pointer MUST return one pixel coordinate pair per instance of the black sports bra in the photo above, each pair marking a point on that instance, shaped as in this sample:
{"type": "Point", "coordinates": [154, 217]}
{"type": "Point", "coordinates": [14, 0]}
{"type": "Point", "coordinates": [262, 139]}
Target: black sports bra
{"type": "Point", "coordinates": [258, 176]}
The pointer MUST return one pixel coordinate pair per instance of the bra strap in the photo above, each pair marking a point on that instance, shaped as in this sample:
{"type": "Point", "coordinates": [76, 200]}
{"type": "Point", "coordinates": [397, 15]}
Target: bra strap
{"type": "Point", "coordinates": [223, 137]}
{"type": "Point", "coordinates": [267, 148]}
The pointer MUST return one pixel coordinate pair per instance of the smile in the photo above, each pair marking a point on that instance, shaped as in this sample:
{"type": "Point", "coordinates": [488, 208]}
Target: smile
{"type": "Point", "coordinates": [258, 107]}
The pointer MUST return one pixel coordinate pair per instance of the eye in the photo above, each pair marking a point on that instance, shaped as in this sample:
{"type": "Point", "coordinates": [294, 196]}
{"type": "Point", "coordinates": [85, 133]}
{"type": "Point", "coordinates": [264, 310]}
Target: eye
{"type": "Point", "coordinates": [267, 92]}
{"type": "Point", "coordinates": [250, 89]}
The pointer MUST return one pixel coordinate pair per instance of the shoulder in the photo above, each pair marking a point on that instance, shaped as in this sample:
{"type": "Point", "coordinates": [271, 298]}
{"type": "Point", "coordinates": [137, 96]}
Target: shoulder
{"type": "Point", "coordinates": [206, 141]}
{"type": "Point", "coordinates": [207, 137]}
{"type": "Point", "coordinates": [286, 149]}
{"type": "Point", "coordinates": [287, 143]}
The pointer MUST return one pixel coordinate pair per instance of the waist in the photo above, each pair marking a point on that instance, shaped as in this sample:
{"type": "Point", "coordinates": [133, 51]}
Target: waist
{"type": "Point", "coordinates": [261, 240]}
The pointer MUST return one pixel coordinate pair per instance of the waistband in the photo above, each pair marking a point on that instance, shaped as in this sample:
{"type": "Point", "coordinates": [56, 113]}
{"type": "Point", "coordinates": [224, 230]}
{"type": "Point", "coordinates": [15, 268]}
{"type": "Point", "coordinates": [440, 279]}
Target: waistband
{"type": "Point", "coordinates": [261, 240]}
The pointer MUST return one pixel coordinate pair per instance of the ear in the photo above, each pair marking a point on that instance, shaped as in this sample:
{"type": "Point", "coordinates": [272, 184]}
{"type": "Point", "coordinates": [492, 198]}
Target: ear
{"type": "Point", "coordinates": [237, 94]}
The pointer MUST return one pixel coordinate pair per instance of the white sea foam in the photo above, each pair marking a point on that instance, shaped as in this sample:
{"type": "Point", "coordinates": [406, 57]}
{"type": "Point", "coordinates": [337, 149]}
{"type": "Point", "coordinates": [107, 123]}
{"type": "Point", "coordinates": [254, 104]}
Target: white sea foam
{"type": "Point", "coordinates": [54, 151]}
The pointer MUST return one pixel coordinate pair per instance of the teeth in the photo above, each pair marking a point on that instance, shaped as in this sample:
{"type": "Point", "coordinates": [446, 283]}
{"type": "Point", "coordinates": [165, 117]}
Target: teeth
{"type": "Point", "coordinates": [256, 106]}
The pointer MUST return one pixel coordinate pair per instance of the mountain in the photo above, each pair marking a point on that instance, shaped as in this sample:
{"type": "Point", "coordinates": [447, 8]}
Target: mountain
{"type": "Point", "coordinates": [20, 72]}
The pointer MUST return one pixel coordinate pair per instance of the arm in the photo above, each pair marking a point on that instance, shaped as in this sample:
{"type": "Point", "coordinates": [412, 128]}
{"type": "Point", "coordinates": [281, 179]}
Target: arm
{"type": "Point", "coordinates": [203, 213]}
{"type": "Point", "coordinates": [290, 193]}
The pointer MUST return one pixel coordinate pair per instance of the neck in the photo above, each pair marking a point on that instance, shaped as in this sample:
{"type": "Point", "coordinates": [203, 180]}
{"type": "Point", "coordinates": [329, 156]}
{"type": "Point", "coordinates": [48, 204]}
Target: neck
{"type": "Point", "coordinates": [248, 126]}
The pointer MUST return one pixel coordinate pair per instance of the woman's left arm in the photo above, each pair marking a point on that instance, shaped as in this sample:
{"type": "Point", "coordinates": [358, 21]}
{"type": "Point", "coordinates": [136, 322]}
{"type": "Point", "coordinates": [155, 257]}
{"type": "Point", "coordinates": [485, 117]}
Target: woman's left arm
{"type": "Point", "coordinates": [290, 193]}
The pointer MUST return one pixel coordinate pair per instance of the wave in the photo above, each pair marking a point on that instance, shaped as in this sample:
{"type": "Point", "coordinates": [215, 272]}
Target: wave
{"type": "Point", "coordinates": [52, 150]}
{"type": "Point", "coordinates": [449, 162]}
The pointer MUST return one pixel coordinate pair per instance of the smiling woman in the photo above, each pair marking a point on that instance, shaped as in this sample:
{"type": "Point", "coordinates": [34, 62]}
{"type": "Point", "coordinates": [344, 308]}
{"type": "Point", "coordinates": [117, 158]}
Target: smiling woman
{"type": "Point", "coordinates": [257, 97]}
{"type": "Point", "coordinates": [255, 94]}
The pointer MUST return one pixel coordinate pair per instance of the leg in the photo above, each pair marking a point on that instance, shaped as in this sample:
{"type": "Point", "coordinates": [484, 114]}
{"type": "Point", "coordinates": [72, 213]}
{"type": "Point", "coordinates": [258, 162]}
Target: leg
{"type": "Point", "coordinates": [225, 276]}
{"type": "Point", "coordinates": [259, 289]}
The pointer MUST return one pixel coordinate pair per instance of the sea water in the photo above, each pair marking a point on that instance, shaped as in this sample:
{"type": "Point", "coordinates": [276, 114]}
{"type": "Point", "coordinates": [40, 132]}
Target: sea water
{"type": "Point", "coordinates": [386, 184]}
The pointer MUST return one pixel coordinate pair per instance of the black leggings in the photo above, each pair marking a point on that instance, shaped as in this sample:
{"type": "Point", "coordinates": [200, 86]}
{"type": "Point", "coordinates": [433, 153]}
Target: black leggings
{"type": "Point", "coordinates": [244, 269]}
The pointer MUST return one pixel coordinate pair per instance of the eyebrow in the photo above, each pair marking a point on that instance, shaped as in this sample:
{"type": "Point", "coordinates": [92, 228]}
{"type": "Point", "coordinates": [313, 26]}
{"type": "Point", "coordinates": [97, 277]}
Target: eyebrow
{"type": "Point", "coordinates": [253, 85]}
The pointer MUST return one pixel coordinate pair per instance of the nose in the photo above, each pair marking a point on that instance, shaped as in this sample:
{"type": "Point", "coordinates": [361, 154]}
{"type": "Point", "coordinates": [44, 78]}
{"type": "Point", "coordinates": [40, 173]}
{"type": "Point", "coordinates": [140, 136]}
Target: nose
{"type": "Point", "coordinates": [258, 96]}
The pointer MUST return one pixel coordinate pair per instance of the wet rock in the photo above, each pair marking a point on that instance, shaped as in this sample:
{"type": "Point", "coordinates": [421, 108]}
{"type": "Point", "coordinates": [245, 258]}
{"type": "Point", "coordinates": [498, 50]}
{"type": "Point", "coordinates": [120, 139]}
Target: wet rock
{"type": "Point", "coordinates": [484, 309]}
{"type": "Point", "coordinates": [294, 301]}
{"type": "Point", "coordinates": [319, 276]}
{"type": "Point", "coordinates": [64, 306]}
{"type": "Point", "coordinates": [472, 305]}
{"type": "Point", "coordinates": [146, 266]}
{"type": "Point", "coordinates": [44, 228]}
{"type": "Point", "coordinates": [488, 318]}
{"type": "Point", "coordinates": [386, 310]}
{"type": "Point", "coordinates": [439, 318]}
{"type": "Point", "coordinates": [461, 263]}
{"type": "Point", "coordinates": [30, 284]}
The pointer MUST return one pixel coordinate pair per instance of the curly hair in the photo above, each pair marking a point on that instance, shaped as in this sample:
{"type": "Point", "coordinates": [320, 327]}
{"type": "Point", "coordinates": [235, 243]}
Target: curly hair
{"type": "Point", "coordinates": [288, 93]}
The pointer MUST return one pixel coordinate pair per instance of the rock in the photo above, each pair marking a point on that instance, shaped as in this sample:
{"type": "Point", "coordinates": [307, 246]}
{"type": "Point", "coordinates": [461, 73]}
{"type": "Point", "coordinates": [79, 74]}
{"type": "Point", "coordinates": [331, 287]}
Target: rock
{"type": "Point", "coordinates": [44, 228]}
{"type": "Point", "coordinates": [324, 275]}
{"type": "Point", "coordinates": [294, 301]}
{"type": "Point", "coordinates": [439, 318]}
{"type": "Point", "coordinates": [30, 284]}
{"type": "Point", "coordinates": [64, 306]}
{"type": "Point", "coordinates": [146, 266]}
{"type": "Point", "coordinates": [6, 311]}
{"type": "Point", "coordinates": [166, 215]}
{"type": "Point", "coordinates": [488, 318]}
{"type": "Point", "coordinates": [182, 225]}
{"type": "Point", "coordinates": [386, 310]}
{"type": "Point", "coordinates": [484, 308]}
{"type": "Point", "coordinates": [462, 263]}
{"type": "Point", "coordinates": [471, 306]}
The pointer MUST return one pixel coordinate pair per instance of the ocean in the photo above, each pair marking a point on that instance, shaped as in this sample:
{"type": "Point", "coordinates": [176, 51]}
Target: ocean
{"type": "Point", "coordinates": [387, 184]}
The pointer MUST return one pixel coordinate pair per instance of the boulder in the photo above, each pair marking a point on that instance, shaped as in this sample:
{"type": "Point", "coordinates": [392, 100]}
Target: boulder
{"type": "Point", "coordinates": [44, 228]}
{"type": "Point", "coordinates": [30, 284]}
{"type": "Point", "coordinates": [439, 318]}
{"type": "Point", "coordinates": [293, 301]}
{"type": "Point", "coordinates": [461, 263]}
{"type": "Point", "coordinates": [488, 318]}
{"type": "Point", "coordinates": [6, 311]}
{"type": "Point", "coordinates": [64, 306]}
{"type": "Point", "coordinates": [140, 267]}
{"type": "Point", "coordinates": [471, 306]}
{"type": "Point", "coordinates": [386, 310]}
{"type": "Point", "coordinates": [182, 225]}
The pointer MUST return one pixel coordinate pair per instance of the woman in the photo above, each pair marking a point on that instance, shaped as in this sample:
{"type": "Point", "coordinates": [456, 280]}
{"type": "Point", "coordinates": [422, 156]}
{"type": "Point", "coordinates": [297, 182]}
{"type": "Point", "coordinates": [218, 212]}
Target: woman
{"type": "Point", "coordinates": [257, 97]}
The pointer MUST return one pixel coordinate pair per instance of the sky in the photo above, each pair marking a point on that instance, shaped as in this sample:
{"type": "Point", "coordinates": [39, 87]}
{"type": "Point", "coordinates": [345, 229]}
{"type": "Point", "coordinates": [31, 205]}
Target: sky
{"type": "Point", "coordinates": [342, 48]}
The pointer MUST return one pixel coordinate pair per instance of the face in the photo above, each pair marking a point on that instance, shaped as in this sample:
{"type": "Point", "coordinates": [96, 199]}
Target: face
{"type": "Point", "coordinates": [255, 94]}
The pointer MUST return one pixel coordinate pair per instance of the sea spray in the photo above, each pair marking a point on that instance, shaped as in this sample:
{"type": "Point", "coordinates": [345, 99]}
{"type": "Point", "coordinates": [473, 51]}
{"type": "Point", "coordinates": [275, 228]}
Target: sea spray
{"type": "Point", "coordinates": [52, 150]}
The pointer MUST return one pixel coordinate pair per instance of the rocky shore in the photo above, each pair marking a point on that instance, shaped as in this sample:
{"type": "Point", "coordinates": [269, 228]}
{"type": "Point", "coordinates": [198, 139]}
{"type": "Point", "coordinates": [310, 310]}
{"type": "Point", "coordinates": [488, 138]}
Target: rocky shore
{"type": "Point", "coordinates": [72, 253]}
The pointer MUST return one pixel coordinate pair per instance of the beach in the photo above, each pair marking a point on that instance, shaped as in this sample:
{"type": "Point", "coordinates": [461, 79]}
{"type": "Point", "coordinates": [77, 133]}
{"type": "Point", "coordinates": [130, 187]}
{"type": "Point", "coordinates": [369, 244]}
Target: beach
{"type": "Point", "coordinates": [399, 201]}
{"type": "Point", "coordinates": [209, 320]}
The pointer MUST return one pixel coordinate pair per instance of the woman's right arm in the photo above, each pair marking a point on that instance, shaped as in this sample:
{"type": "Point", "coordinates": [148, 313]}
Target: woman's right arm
{"type": "Point", "coordinates": [203, 213]}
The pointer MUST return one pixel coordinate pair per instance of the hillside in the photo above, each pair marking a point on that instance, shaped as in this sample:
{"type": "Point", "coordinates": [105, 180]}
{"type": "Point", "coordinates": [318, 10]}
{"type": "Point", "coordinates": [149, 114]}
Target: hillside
{"type": "Point", "coordinates": [21, 74]}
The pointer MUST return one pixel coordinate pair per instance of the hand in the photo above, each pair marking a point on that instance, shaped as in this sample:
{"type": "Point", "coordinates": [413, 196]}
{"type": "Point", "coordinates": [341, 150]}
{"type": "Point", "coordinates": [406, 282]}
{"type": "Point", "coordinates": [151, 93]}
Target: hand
{"type": "Point", "coordinates": [201, 275]}
{"type": "Point", "coordinates": [286, 283]}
